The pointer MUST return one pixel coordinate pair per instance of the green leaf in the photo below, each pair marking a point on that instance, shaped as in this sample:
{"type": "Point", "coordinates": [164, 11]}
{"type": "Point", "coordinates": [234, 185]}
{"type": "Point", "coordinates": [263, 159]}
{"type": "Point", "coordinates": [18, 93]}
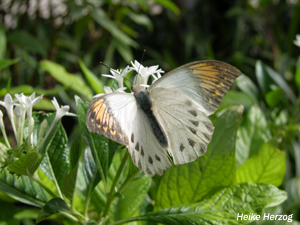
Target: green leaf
{"type": "Point", "coordinates": [124, 50]}
{"type": "Point", "coordinates": [169, 5]}
{"type": "Point", "coordinates": [140, 19]}
{"type": "Point", "coordinates": [188, 183]}
{"type": "Point", "coordinates": [292, 188]}
{"type": "Point", "coordinates": [2, 43]}
{"type": "Point", "coordinates": [133, 195]}
{"type": "Point", "coordinates": [219, 207]}
{"type": "Point", "coordinates": [55, 164]}
{"type": "Point", "coordinates": [100, 17]}
{"type": "Point", "coordinates": [90, 170]}
{"type": "Point", "coordinates": [96, 84]}
{"type": "Point", "coordinates": [27, 41]}
{"type": "Point", "coordinates": [252, 133]}
{"type": "Point", "coordinates": [23, 189]}
{"type": "Point", "coordinates": [247, 86]}
{"type": "Point", "coordinates": [273, 97]}
{"type": "Point", "coordinates": [70, 80]}
{"type": "Point", "coordinates": [266, 166]}
{"type": "Point", "coordinates": [7, 62]}
{"type": "Point", "coordinates": [28, 90]}
{"type": "Point", "coordinates": [281, 83]}
{"type": "Point", "coordinates": [262, 77]}
{"type": "Point", "coordinates": [52, 207]}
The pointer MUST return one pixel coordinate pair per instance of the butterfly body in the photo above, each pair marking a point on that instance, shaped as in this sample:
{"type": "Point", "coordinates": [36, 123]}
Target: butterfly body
{"type": "Point", "coordinates": [171, 115]}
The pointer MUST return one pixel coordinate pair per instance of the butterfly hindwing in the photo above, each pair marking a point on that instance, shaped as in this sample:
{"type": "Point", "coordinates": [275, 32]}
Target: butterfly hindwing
{"type": "Point", "coordinates": [206, 82]}
{"type": "Point", "coordinates": [187, 128]}
{"type": "Point", "coordinates": [118, 117]}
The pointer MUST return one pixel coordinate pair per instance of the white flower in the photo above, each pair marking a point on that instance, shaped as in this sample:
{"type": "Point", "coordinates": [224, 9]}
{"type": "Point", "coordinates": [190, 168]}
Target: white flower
{"type": "Point", "coordinates": [144, 72]}
{"type": "Point", "coordinates": [3, 130]}
{"type": "Point", "coordinates": [118, 75]}
{"type": "Point", "coordinates": [27, 102]}
{"type": "Point", "coordinates": [60, 112]}
{"type": "Point", "coordinates": [297, 41]}
{"type": "Point", "coordinates": [9, 105]}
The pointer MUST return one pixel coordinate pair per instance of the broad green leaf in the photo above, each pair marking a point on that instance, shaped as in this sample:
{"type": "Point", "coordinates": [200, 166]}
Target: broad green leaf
{"type": "Point", "coordinates": [97, 143]}
{"type": "Point", "coordinates": [236, 98]}
{"type": "Point", "coordinates": [134, 195]}
{"type": "Point", "coordinates": [55, 164]}
{"type": "Point", "coordinates": [219, 207]}
{"type": "Point", "coordinates": [279, 80]}
{"type": "Point", "coordinates": [28, 90]}
{"type": "Point", "coordinates": [69, 80]}
{"type": "Point", "coordinates": [99, 16]}
{"type": "Point", "coordinates": [22, 165]}
{"type": "Point", "coordinates": [247, 86]}
{"type": "Point", "coordinates": [252, 133]}
{"type": "Point", "coordinates": [189, 182]}
{"type": "Point", "coordinates": [96, 83]}
{"type": "Point", "coordinates": [169, 5]}
{"type": "Point", "coordinates": [7, 62]}
{"type": "Point", "coordinates": [27, 41]}
{"type": "Point", "coordinates": [273, 97]}
{"type": "Point", "coordinates": [23, 189]}
{"type": "Point", "coordinates": [54, 206]}
{"type": "Point", "coordinates": [266, 166]}
{"type": "Point", "coordinates": [2, 43]}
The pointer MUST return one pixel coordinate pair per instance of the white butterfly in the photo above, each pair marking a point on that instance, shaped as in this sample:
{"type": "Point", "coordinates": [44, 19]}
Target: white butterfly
{"type": "Point", "coordinates": [170, 116]}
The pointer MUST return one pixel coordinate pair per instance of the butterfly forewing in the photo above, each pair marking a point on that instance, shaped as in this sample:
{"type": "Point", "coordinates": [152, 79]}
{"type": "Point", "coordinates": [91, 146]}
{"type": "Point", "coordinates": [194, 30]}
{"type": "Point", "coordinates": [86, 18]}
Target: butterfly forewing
{"type": "Point", "coordinates": [206, 82]}
{"type": "Point", "coordinates": [118, 117]}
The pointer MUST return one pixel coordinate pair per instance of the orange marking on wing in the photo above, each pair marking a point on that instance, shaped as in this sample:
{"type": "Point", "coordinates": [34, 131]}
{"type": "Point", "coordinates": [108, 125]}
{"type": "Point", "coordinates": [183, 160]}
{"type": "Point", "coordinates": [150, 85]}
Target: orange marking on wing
{"type": "Point", "coordinates": [113, 133]}
{"type": "Point", "coordinates": [105, 118]}
{"type": "Point", "coordinates": [100, 112]}
{"type": "Point", "coordinates": [111, 120]}
{"type": "Point", "coordinates": [105, 128]}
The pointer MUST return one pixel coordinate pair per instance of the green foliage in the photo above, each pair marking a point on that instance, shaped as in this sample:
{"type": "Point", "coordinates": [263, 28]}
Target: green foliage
{"type": "Point", "coordinates": [77, 177]}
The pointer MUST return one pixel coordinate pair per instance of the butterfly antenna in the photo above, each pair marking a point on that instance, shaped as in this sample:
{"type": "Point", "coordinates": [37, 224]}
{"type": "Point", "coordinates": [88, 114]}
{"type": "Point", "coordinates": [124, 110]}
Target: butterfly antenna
{"type": "Point", "coordinates": [141, 60]}
{"type": "Point", "coordinates": [101, 63]}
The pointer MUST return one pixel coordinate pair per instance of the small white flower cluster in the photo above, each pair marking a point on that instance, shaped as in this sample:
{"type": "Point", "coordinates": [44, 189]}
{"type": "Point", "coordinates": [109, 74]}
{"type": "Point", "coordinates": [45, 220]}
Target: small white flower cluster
{"type": "Point", "coordinates": [17, 111]}
{"type": "Point", "coordinates": [143, 74]}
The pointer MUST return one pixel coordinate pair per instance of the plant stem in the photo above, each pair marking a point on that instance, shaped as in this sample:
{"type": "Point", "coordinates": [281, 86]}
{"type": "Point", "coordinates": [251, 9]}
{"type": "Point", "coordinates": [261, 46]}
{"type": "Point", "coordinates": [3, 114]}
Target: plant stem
{"type": "Point", "coordinates": [110, 196]}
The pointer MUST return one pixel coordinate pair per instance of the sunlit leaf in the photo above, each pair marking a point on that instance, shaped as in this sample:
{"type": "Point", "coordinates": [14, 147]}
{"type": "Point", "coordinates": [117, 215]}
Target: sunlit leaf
{"type": "Point", "coordinates": [266, 166]}
{"type": "Point", "coordinates": [169, 5]}
{"type": "Point", "coordinates": [70, 80]}
{"type": "Point", "coordinates": [252, 134]}
{"type": "Point", "coordinates": [222, 206]}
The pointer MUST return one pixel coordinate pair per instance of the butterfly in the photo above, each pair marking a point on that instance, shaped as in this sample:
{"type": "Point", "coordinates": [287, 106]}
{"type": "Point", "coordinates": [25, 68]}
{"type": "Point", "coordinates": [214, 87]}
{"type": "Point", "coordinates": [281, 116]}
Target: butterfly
{"type": "Point", "coordinates": [170, 118]}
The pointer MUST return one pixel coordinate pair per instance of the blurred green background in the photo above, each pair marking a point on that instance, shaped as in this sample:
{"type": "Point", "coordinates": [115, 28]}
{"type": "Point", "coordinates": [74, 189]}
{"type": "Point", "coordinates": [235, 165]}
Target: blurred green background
{"type": "Point", "coordinates": [53, 47]}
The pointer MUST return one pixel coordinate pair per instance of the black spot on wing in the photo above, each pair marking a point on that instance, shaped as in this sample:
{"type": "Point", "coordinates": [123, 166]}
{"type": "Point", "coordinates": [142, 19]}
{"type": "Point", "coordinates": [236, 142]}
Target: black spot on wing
{"type": "Point", "coordinates": [193, 112]}
{"type": "Point", "coordinates": [142, 151]}
{"type": "Point", "coordinates": [137, 146]}
{"type": "Point", "coordinates": [181, 147]}
{"type": "Point", "coordinates": [148, 171]}
{"type": "Point", "coordinates": [209, 126]}
{"type": "Point", "coordinates": [132, 138]}
{"type": "Point", "coordinates": [195, 123]}
{"type": "Point", "coordinates": [150, 160]}
{"type": "Point", "coordinates": [192, 130]}
{"type": "Point", "coordinates": [191, 142]}
{"type": "Point", "coordinates": [140, 164]}
{"type": "Point", "coordinates": [157, 158]}
{"type": "Point", "coordinates": [207, 136]}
